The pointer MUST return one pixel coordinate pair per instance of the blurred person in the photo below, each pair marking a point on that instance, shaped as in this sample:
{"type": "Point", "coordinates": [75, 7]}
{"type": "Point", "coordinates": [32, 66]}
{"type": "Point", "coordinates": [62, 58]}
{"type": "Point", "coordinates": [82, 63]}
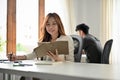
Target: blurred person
{"type": "Point", "coordinates": [91, 45]}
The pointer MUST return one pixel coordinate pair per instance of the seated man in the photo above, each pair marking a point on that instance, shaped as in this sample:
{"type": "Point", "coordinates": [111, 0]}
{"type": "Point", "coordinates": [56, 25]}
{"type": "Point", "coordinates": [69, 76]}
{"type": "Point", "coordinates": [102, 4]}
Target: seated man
{"type": "Point", "coordinates": [91, 45]}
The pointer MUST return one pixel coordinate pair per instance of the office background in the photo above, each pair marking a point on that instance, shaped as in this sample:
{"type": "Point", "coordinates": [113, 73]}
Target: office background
{"type": "Point", "coordinates": [101, 15]}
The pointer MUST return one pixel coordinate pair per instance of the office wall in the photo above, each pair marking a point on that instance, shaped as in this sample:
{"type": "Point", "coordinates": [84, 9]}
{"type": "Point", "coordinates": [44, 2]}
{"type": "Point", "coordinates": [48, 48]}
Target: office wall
{"type": "Point", "coordinates": [89, 12]}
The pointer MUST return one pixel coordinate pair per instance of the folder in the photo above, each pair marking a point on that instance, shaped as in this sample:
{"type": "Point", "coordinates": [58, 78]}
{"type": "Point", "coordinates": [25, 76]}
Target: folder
{"type": "Point", "coordinates": [44, 47]}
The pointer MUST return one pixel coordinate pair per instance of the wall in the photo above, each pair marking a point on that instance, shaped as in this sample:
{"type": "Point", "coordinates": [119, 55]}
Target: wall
{"type": "Point", "coordinates": [61, 8]}
{"type": "Point", "coordinates": [87, 11]}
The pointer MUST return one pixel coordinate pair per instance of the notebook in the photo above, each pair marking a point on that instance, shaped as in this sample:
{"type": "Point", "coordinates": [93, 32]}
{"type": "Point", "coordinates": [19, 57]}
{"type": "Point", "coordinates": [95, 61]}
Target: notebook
{"type": "Point", "coordinates": [44, 47]}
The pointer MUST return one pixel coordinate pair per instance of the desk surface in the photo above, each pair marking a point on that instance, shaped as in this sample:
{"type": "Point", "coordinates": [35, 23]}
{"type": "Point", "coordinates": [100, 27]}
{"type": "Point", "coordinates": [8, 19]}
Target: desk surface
{"type": "Point", "coordinates": [64, 71]}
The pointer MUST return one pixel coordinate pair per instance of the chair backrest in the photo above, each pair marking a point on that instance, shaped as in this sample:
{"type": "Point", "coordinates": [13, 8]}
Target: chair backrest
{"type": "Point", "coordinates": [77, 47]}
{"type": "Point", "coordinates": [106, 52]}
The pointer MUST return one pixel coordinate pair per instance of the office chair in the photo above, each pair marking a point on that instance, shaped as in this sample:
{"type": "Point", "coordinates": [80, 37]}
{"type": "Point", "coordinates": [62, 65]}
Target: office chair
{"type": "Point", "coordinates": [106, 52]}
{"type": "Point", "coordinates": [77, 47]}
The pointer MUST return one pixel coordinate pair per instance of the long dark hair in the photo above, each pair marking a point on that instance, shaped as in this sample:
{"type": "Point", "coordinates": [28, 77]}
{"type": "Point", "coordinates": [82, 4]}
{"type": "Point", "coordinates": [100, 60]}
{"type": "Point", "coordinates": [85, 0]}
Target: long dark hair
{"type": "Point", "coordinates": [44, 35]}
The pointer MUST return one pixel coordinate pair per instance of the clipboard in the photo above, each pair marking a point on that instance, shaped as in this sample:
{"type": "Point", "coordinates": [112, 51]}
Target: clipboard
{"type": "Point", "coordinates": [44, 47]}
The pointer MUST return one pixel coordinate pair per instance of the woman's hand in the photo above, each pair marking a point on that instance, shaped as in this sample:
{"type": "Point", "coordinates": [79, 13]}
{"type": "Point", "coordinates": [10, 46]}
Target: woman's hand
{"type": "Point", "coordinates": [54, 56]}
{"type": "Point", "coordinates": [11, 57]}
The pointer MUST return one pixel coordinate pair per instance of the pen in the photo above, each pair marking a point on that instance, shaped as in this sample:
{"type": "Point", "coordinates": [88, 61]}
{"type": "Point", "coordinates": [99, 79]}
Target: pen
{"type": "Point", "coordinates": [11, 56]}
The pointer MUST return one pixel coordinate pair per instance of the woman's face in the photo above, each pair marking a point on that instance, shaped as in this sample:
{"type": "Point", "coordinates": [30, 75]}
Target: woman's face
{"type": "Point", "coordinates": [52, 27]}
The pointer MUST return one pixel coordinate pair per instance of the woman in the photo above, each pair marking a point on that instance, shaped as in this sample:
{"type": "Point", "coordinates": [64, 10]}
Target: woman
{"type": "Point", "coordinates": [51, 31]}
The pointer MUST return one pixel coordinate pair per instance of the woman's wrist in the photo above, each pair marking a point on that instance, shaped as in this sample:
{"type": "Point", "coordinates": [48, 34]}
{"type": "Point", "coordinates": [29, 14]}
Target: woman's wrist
{"type": "Point", "coordinates": [58, 59]}
{"type": "Point", "coordinates": [21, 57]}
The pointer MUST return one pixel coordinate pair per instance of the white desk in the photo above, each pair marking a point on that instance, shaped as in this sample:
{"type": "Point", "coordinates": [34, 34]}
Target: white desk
{"type": "Point", "coordinates": [64, 71]}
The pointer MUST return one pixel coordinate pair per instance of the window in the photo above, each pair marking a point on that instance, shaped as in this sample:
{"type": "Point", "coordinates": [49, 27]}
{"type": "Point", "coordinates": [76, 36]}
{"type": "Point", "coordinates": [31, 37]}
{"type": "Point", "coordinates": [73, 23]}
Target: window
{"type": "Point", "coordinates": [20, 21]}
{"type": "Point", "coordinates": [3, 15]}
{"type": "Point", "coordinates": [26, 25]}
{"type": "Point", "coordinates": [116, 32]}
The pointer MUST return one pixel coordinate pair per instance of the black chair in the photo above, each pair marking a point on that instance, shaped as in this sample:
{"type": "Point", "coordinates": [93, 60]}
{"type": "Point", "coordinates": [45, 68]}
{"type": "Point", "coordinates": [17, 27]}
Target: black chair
{"type": "Point", "coordinates": [106, 52]}
{"type": "Point", "coordinates": [77, 47]}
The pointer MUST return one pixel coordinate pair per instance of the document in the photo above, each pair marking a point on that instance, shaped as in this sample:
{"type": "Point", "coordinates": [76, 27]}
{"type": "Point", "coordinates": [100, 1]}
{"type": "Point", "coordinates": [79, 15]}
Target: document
{"type": "Point", "coordinates": [44, 47]}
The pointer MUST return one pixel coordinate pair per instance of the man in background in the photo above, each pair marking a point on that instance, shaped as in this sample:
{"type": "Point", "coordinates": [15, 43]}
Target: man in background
{"type": "Point", "coordinates": [91, 45]}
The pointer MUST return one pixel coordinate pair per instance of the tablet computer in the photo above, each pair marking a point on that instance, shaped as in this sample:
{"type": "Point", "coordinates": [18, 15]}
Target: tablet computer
{"type": "Point", "coordinates": [44, 47]}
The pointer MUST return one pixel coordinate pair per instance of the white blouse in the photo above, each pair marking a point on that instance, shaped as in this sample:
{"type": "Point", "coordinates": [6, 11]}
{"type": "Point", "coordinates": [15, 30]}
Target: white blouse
{"type": "Point", "coordinates": [69, 57]}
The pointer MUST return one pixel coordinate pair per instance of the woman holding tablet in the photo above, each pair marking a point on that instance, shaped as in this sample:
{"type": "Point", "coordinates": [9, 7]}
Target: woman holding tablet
{"type": "Point", "coordinates": [51, 31]}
